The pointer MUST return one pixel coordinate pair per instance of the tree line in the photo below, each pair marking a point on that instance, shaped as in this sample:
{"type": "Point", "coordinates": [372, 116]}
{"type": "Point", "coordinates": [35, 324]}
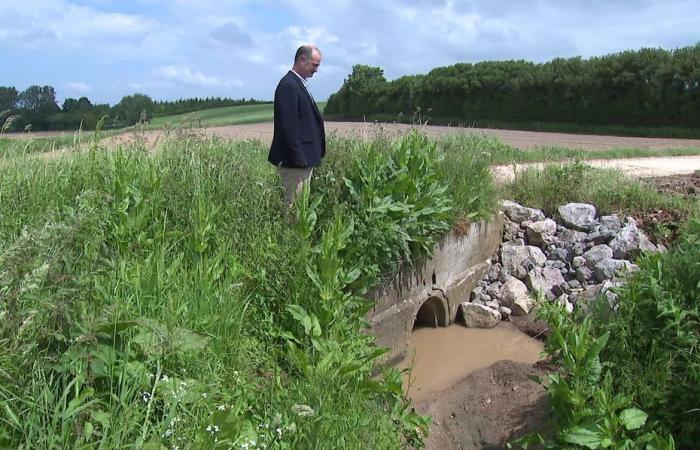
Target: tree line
{"type": "Point", "coordinates": [36, 109]}
{"type": "Point", "coordinates": [647, 87]}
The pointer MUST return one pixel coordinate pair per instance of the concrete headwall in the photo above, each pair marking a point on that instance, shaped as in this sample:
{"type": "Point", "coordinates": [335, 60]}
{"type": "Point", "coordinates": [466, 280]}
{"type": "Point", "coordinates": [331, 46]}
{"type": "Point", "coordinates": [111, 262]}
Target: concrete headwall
{"type": "Point", "coordinates": [445, 280]}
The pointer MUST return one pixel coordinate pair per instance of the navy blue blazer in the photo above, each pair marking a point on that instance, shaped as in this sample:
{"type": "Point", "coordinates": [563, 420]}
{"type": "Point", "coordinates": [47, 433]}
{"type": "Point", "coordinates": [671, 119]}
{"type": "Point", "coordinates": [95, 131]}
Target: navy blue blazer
{"type": "Point", "coordinates": [299, 138]}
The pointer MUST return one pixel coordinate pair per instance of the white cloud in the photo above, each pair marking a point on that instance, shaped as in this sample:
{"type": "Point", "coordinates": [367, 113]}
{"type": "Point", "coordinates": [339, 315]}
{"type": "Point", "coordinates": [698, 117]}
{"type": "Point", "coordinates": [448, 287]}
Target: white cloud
{"type": "Point", "coordinates": [79, 87]}
{"type": "Point", "coordinates": [71, 23]}
{"type": "Point", "coordinates": [187, 75]}
{"type": "Point", "coordinates": [310, 35]}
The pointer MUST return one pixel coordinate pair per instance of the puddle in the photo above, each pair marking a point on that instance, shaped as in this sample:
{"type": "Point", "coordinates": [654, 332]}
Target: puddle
{"type": "Point", "coordinates": [443, 356]}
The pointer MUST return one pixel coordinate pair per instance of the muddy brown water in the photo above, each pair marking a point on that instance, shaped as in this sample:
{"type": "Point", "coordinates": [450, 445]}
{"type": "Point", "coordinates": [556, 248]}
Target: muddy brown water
{"type": "Point", "coordinates": [442, 356]}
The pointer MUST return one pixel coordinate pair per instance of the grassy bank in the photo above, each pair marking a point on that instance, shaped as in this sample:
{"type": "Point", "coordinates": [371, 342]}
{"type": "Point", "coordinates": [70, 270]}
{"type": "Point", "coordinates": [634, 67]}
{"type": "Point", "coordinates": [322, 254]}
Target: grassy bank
{"type": "Point", "coordinates": [613, 192]}
{"type": "Point", "coordinates": [164, 300]}
{"type": "Point", "coordinates": [610, 190]}
{"type": "Point", "coordinates": [500, 153]}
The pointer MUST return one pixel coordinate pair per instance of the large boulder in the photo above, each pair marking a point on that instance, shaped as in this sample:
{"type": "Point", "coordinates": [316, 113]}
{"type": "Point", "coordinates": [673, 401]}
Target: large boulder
{"type": "Point", "coordinates": [514, 295]}
{"type": "Point", "coordinates": [630, 240]}
{"type": "Point", "coordinates": [512, 256]}
{"type": "Point", "coordinates": [545, 280]}
{"type": "Point", "coordinates": [479, 316]}
{"type": "Point", "coordinates": [583, 274]}
{"type": "Point", "coordinates": [519, 213]}
{"type": "Point", "coordinates": [610, 223]}
{"type": "Point", "coordinates": [578, 261]}
{"type": "Point", "coordinates": [568, 236]}
{"type": "Point", "coordinates": [609, 269]}
{"type": "Point", "coordinates": [541, 231]}
{"type": "Point", "coordinates": [596, 254]}
{"type": "Point", "coordinates": [580, 216]}
{"type": "Point", "coordinates": [606, 290]}
{"type": "Point", "coordinates": [559, 254]}
{"type": "Point", "coordinates": [601, 236]}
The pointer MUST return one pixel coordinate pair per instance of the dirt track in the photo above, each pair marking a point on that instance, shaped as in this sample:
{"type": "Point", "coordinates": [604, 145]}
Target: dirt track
{"type": "Point", "coordinates": [639, 167]}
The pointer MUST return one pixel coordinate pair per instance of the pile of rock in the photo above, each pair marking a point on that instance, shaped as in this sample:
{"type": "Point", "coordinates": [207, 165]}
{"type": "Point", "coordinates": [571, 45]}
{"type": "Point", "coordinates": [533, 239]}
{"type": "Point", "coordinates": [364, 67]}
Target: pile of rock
{"type": "Point", "coordinates": [573, 261]}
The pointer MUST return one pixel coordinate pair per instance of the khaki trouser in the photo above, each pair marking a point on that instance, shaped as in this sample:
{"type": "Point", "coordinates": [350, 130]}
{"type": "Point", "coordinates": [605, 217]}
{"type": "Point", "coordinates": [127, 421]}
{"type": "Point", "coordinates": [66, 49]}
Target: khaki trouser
{"type": "Point", "coordinates": [293, 181]}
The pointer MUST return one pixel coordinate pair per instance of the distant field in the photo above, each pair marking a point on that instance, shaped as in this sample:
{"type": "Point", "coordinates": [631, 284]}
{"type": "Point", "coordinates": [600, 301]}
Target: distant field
{"type": "Point", "coordinates": [229, 115]}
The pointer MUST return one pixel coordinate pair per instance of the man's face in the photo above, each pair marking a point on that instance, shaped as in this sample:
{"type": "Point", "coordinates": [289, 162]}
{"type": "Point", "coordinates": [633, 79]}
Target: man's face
{"type": "Point", "coordinates": [309, 66]}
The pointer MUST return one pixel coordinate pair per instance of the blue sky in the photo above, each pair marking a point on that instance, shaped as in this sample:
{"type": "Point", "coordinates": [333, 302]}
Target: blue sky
{"type": "Point", "coordinates": [169, 49]}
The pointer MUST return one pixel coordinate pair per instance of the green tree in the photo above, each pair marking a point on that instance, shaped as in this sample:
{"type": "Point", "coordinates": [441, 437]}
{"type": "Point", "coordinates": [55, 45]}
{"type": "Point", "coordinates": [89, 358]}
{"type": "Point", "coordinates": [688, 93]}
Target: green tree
{"type": "Point", "coordinates": [36, 104]}
{"type": "Point", "coordinates": [73, 105]}
{"type": "Point", "coordinates": [129, 108]}
{"type": "Point", "coordinates": [8, 98]}
{"type": "Point", "coordinates": [351, 99]}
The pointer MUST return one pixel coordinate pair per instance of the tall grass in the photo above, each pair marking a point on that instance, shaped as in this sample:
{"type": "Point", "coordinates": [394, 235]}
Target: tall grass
{"type": "Point", "coordinates": [164, 299]}
{"type": "Point", "coordinates": [654, 354]}
{"type": "Point", "coordinates": [501, 153]}
{"type": "Point", "coordinates": [18, 147]}
{"type": "Point", "coordinates": [610, 190]}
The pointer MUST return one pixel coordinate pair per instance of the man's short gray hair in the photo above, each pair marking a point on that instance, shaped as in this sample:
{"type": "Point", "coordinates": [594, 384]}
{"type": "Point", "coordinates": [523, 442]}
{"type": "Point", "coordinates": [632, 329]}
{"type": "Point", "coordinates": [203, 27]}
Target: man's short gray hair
{"type": "Point", "coordinates": [306, 51]}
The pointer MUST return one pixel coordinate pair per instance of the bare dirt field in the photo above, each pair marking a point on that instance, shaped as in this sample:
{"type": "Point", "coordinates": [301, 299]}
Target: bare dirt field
{"type": "Point", "coordinates": [518, 139]}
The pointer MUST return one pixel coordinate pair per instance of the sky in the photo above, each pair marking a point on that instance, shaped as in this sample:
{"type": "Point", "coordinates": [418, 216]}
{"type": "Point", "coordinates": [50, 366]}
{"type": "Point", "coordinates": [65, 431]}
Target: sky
{"type": "Point", "coordinates": [170, 49]}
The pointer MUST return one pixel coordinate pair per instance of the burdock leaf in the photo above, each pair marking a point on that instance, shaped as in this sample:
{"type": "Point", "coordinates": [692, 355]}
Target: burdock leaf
{"type": "Point", "coordinates": [633, 418]}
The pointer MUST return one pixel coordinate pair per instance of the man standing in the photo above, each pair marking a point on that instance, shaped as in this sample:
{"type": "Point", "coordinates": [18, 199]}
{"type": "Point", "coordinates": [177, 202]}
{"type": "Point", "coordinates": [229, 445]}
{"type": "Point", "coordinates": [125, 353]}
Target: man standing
{"type": "Point", "coordinates": [299, 139]}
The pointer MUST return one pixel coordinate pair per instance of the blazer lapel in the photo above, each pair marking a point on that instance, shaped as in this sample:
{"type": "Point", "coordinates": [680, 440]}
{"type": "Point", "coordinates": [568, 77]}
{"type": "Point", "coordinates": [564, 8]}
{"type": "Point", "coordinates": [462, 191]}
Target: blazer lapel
{"type": "Point", "coordinates": [308, 95]}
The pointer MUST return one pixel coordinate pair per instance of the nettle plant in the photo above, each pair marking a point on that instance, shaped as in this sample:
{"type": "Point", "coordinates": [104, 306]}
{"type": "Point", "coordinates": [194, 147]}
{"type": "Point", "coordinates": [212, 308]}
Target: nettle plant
{"type": "Point", "coordinates": [395, 210]}
{"type": "Point", "coordinates": [324, 338]}
{"type": "Point", "coordinates": [587, 411]}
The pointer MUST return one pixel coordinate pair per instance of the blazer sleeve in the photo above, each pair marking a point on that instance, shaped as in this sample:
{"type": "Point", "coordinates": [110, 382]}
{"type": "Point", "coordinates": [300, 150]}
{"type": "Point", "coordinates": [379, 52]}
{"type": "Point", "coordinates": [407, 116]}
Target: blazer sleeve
{"type": "Point", "coordinates": [288, 102]}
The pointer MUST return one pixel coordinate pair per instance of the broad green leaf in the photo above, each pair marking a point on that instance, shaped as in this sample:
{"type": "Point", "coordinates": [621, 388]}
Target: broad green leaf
{"type": "Point", "coordinates": [633, 418]}
{"type": "Point", "coordinates": [582, 436]}
{"type": "Point", "coordinates": [297, 312]}
{"type": "Point", "coordinates": [314, 277]}
{"type": "Point", "coordinates": [186, 340]}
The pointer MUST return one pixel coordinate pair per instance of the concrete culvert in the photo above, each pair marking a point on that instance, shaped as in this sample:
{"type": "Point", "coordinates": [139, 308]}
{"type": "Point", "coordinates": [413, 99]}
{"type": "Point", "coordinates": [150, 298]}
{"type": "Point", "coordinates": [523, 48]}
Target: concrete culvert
{"type": "Point", "coordinates": [432, 313]}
